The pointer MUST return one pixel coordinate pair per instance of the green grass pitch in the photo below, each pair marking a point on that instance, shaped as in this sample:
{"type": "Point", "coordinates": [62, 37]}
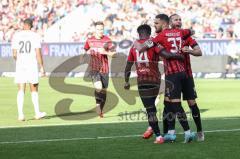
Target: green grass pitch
{"type": "Point", "coordinates": [71, 129]}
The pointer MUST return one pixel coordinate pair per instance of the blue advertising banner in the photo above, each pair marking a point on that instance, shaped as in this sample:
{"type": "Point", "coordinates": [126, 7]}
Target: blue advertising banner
{"type": "Point", "coordinates": [209, 48]}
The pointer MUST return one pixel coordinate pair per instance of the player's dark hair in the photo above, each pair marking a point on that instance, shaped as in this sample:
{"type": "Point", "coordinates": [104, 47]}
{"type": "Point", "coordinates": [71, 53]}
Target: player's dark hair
{"type": "Point", "coordinates": [29, 22]}
{"type": "Point", "coordinates": [144, 29]}
{"type": "Point", "coordinates": [98, 23]}
{"type": "Point", "coordinates": [163, 17]}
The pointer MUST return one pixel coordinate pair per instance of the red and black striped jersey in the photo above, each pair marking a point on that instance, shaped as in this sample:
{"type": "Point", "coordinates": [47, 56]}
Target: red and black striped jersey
{"type": "Point", "coordinates": [187, 61]}
{"type": "Point", "coordinates": [172, 41]}
{"type": "Point", "coordinates": [146, 64]}
{"type": "Point", "coordinates": [98, 61]}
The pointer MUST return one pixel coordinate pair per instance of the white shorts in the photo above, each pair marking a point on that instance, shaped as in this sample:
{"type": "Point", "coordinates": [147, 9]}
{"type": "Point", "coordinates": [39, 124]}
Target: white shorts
{"type": "Point", "coordinates": [26, 75]}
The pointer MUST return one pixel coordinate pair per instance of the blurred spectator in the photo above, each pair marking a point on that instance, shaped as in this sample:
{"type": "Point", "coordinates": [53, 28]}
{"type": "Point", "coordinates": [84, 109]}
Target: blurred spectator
{"type": "Point", "coordinates": [209, 18]}
{"type": "Point", "coordinates": [43, 12]}
{"type": "Point", "coordinates": [76, 37]}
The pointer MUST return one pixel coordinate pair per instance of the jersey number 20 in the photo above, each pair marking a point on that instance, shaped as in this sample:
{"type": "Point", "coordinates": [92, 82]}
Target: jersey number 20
{"type": "Point", "coordinates": [25, 47]}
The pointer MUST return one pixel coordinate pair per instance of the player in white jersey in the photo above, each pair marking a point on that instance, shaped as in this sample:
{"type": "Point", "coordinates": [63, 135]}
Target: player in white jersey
{"type": "Point", "coordinates": [26, 46]}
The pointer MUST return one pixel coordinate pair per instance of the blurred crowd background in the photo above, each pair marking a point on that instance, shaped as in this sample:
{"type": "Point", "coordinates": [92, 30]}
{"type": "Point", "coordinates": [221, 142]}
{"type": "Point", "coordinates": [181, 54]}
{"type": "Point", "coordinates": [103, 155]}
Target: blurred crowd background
{"type": "Point", "coordinates": [209, 18]}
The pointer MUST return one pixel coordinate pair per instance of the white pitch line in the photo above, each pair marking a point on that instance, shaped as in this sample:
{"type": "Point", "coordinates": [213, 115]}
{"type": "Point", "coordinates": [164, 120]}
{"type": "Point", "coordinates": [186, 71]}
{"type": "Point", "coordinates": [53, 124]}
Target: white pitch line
{"type": "Point", "coordinates": [114, 137]}
{"type": "Point", "coordinates": [230, 130]}
{"type": "Point", "coordinates": [97, 138]}
{"type": "Point", "coordinates": [45, 140]}
{"type": "Point", "coordinates": [107, 122]}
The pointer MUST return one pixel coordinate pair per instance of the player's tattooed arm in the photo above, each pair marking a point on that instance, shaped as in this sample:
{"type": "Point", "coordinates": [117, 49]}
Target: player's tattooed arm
{"type": "Point", "coordinates": [127, 74]}
{"type": "Point", "coordinates": [167, 55]}
{"type": "Point", "coordinates": [40, 61]}
{"type": "Point", "coordinates": [15, 54]}
{"type": "Point", "coordinates": [195, 51]}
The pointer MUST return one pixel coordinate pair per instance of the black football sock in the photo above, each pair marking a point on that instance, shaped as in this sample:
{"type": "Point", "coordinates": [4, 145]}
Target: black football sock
{"type": "Point", "coordinates": [165, 119]}
{"type": "Point", "coordinates": [181, 115]}
{"type": "Point", "coordinates": [98, 97]}
{"type": "Point", "coordinates": [170, 116]}
{"type": "Point", "coordinates": [153, 120]}
{"type": "Point", "coordinates": [196, 116]}
{"type": "Point", "coordinates": [104, 97]}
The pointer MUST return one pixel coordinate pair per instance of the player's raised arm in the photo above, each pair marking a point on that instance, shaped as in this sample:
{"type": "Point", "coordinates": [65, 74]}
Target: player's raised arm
{"type": "Point", "coordinates": [144, 46]}
{"type": "Point", "coordinates": [187, 33]}
{"type": "Point", "coordinates": [195, 50]}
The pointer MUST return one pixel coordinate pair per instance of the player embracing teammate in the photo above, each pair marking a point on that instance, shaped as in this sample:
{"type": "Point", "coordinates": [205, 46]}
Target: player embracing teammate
{"type": "Point", "coordinates": [148, 79]}
{"type": "Point", "coordinates": [172, 39]}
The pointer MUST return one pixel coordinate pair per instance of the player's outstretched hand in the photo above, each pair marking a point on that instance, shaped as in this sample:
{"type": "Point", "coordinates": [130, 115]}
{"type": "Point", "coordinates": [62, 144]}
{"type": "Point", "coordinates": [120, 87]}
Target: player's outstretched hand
{"type": "Point", "coordinates": [127, 86]}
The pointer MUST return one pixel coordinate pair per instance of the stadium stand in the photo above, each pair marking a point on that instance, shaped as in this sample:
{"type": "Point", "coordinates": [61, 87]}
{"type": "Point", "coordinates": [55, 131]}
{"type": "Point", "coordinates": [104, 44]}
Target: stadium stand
{"type": "Point", "coordinates": [213, 20]}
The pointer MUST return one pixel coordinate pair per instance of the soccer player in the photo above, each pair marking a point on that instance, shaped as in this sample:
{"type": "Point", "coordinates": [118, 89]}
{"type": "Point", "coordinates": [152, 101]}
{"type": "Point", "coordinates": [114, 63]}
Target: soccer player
{"type": "Point", "coordinates": [232, 52]}
{"type": "Point", "coordinates": [188, 90]}
{"type": "Point", "coordinates": [172, 41]}
{"type": "Point", "coordinates": [148, 78]}
{"type": "Point", "coordinates": [99, 47]}
{"type": "Point", "coordinates": [26, 48]}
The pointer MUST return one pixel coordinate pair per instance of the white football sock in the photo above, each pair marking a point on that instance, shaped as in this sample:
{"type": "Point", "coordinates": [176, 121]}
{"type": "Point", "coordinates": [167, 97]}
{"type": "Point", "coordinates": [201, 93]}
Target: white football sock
{"type": "Point", "coordinates": [35, 102]}
{"type": "Point", "coordinates": [20, 101]}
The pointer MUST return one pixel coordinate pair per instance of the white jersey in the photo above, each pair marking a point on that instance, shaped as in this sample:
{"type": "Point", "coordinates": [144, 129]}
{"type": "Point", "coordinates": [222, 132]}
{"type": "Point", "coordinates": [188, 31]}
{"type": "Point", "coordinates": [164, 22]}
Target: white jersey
{"type": "Point", "coordinates": [233, 49]}
{"type": "Point", "coordinates": [25, 42]}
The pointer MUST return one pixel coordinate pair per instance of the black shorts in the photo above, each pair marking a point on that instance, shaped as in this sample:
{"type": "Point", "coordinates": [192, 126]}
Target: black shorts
{"type": "Point", "coordinates": [231, 60]}
{"type": "Point", "coordinates": [103, 77]}
{"type": "Point", "coordinates": [148, 93]}
{"type": "Point", "coordinates": [188, 91]}
{"type": "Point", "coordinates": [174, 85]}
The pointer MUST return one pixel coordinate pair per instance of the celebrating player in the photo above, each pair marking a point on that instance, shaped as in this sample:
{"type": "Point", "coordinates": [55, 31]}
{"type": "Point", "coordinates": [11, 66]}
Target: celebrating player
{"type": "Point", "coordinates": [188, 89]}
{"type": "Point", "coordinates": [26, 48]}
{"type": "Point", "coordinates": [172, 40]}
{"type": "Point", "coordinates": [99, 47]}
{"type": "Point", "coordinates": [148, 78]}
